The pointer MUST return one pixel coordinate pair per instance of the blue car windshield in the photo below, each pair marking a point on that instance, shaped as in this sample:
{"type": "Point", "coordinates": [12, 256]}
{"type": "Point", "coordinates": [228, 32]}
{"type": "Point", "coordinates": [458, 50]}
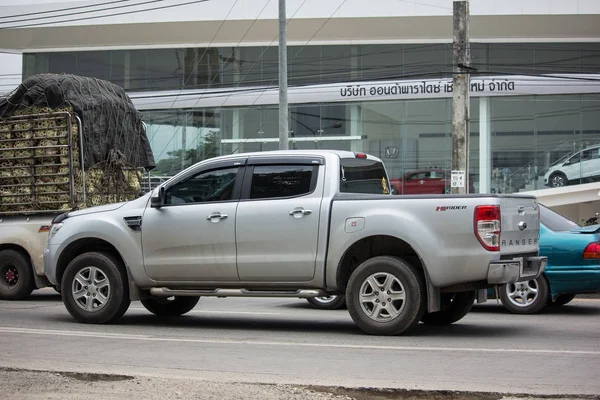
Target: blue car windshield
{"type": "Point", "coordinates": [556, 222]}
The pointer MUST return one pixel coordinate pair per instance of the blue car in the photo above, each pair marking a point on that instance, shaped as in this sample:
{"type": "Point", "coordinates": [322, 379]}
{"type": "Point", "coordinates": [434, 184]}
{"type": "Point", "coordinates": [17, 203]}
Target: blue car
{"type": "Point", "coordinates": [573, 266]}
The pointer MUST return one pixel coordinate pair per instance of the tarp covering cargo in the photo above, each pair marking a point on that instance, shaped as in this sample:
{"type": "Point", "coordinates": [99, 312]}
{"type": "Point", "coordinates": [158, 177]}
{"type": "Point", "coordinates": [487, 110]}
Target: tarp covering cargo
{"type": "Point", "coordinates": [41, 148]}
{"type": "Point", "coordinates": [110, 120]}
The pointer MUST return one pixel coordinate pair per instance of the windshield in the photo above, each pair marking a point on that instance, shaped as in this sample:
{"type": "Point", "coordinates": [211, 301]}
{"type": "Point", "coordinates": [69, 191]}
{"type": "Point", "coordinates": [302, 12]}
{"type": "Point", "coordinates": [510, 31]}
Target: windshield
{"type": "Point", "coordinates": [554, 221]}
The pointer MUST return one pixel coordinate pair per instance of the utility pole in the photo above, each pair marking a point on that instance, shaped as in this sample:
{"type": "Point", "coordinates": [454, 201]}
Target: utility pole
{"type": "Point", "coordinates": [461, 56]}
{"type": "Point", "coordinates": [283, 97]}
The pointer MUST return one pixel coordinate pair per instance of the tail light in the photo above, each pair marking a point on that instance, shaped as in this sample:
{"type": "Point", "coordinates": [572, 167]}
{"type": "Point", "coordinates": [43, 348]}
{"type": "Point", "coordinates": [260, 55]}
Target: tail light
{"type": "Point", "coordinates": [487, 226]}
{"type": "Point", "coordinates": [592, 251]}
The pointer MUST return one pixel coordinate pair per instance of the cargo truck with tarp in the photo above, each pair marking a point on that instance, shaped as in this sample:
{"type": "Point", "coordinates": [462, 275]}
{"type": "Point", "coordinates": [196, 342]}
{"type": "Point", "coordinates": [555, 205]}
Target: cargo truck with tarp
{"type": "Point", "coordinates": [66, 143]}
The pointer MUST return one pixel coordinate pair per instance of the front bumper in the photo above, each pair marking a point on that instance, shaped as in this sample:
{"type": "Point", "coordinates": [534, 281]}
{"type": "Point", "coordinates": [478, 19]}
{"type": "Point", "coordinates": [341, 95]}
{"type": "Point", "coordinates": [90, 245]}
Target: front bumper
{"type": "Point", "coordinates": [50, 266]}
{"type": "Point", "coordinates": [516, 270]}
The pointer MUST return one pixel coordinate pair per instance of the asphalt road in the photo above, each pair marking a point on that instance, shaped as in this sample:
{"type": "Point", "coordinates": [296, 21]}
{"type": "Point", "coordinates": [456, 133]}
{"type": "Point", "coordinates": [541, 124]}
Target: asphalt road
{"type": "Point", "coordinates": [284, 341]}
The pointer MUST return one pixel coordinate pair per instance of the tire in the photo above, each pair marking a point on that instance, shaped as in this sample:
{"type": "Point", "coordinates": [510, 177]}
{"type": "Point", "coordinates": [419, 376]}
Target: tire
{"type": "Point", "coordinates": [528, 297]}
{"type": "Point", "coordinates": [563, 299]}
{"type": "Point", "coordinates": [16, 275]}
{"type": "Point", "coordinates": [167, 307]}
{"type": "Point", "coordinates": [454, 308]}
{"type": "Point", "coordinates": [558, 179]}
{"type": "Point", "coordinates": [365, 298]}
{"type": "Point", "coordinates": [103, 301]}
{"type": "Point", "coordinates": [333, 302]}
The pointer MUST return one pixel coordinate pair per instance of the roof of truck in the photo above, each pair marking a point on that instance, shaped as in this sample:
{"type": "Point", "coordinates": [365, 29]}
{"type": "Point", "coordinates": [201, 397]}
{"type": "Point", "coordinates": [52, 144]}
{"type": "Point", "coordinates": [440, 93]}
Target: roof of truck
{"type": "Point", "coordinates": [339, 153]}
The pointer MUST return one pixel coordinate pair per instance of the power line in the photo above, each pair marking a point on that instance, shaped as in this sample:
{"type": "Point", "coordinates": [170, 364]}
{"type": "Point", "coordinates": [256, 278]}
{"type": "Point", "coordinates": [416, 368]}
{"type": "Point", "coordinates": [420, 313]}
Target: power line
{"type": "Point", "coordinates": [241, 80]}
{"type": "Point", "coordinates": [84, 12]}
{"type": "Point", "coordinates": [299, 51]}
{"type": "Point", "coordinates": [215, 35]}
{"type": "Point", "coordinates": [107, 15]}
{"type": "Point", "coordinates": [62, 9]}
{"type": "Point", "coordinates": [425, 4]}
{"type": "Point", "coordinates": [255, 62]}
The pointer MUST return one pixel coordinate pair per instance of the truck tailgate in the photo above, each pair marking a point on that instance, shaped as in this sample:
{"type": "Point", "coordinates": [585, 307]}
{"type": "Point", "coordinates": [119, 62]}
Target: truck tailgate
{"type": "Point", "coordinates": [520, 225]}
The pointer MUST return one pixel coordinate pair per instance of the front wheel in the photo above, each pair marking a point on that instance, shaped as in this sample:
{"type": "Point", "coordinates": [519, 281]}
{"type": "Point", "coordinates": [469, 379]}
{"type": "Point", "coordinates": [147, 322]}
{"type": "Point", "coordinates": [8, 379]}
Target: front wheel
{"type": "Point", "coordinates": [16, 276]}
{"type": "Point", "coordinates": [454, 308]}
{"type": "Point", "coordinates": [332, 302]}
{"type": "Point", "coordinates": [558, 180]}
{"type": "Point", "coordinates": [528, 297]}
{"type": "Point", "coordinates": [386, 296]}
{"type": "Point", "coordinates": [95, 288]}
{"type": "Point", "coordinates": [170, 307]}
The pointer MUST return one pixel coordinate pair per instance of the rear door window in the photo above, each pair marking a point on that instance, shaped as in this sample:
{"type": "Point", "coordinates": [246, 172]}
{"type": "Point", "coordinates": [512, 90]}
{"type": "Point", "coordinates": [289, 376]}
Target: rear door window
{"type": "Point", "coordinates": [363, 176]}
{"type": "Point", "coordinates": [279, 181]}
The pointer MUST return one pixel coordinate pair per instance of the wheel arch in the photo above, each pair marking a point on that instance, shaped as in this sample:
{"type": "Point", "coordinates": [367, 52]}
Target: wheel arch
{"type": "Point", "coordinates": [384, 245]}
{"type": "Point", "coordinates": [93, 244]}
{"type": "Point", "coordinates": [18, 248]}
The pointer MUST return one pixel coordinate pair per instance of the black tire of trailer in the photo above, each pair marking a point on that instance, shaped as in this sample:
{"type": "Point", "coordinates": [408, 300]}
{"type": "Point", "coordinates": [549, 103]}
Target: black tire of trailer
{"type": "Point", "coordinates": [16, 275]}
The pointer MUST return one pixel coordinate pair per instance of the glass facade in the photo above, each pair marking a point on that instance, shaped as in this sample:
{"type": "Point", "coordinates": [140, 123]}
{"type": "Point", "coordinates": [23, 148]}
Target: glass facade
{"type": "Point", "coordinates": [532, 140]}
{"type": "Point", "coordinates": [193, 68]}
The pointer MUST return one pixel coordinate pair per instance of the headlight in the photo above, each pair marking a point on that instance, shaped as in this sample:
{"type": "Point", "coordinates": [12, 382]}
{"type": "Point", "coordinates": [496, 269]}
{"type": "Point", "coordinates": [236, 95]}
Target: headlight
{"type": "Point", "coordinates": [55, 228]}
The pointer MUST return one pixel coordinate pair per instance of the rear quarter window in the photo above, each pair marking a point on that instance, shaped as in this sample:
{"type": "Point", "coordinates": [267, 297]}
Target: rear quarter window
{"type": "Point", "coordinates": [363, 176]}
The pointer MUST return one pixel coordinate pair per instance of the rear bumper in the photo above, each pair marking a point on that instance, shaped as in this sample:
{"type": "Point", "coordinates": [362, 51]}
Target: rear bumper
{"type": "Point", "coordinates": [515, 270]}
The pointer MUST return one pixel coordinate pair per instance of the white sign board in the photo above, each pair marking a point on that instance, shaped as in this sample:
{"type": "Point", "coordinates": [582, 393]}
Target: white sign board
{"type": "Point", "coordinates": [508, 85]}
{"type": "Point", "coordinates": [458, 179]}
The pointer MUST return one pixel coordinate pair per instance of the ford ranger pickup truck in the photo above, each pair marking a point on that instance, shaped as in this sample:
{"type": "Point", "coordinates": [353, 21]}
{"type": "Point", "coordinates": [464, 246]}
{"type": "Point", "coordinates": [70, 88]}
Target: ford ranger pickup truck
{"type": "Point", "coordinates": [298, 224]}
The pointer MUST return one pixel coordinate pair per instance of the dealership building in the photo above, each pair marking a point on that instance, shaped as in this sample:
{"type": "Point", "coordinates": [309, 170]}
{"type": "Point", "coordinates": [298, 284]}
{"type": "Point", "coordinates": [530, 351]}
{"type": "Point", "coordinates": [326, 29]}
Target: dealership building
{"type": "Point", "coordinates": [370, 77]}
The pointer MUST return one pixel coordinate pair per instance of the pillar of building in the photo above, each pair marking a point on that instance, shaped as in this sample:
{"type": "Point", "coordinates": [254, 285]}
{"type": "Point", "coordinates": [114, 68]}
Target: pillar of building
{"type": "Point", "coordinates": [485, 145]}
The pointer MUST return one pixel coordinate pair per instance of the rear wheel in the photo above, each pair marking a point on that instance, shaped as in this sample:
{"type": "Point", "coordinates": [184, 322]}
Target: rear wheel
{"type": "Point", "coordinates": [16, 275]}
{"type": "Point", "coordinates": [454, 308]}
{"type": "Point", "coordinates": [563, 299]}
{"type": "Point", "coordinates": [170, 306]}
{"type": "Point", "coordinates": [333, 302]}
{"type": "Point", "coordinates": [95, 288]}
{"type": "Point", "coordinates": [528, 297]}
{"type": "Point", "coordinates": [386, 296]}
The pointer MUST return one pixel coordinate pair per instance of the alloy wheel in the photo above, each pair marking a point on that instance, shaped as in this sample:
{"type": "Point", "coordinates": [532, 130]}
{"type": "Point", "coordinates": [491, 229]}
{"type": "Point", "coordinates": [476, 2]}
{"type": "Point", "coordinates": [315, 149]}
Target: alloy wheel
{"type": "Point", "coordinates": [91, 289]}
{"type": "Point", "coordinates": [558, 181]}
{"type": "Point", "coordinates": [326, 299]}
{"type": "Point", "coordinates": [382, 297]}
{"type": "Point", "coordinates": [522, 294]}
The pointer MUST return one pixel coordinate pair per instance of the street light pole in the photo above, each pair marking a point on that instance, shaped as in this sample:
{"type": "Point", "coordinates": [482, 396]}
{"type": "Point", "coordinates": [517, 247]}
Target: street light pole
{"type": "Point", "coordinates": [283, 98]}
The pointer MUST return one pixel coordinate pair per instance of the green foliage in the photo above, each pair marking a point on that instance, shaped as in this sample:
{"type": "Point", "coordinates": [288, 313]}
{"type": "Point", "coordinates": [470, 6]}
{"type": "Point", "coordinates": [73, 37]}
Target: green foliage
{"type": "Point", "coordinates": [181, 159]}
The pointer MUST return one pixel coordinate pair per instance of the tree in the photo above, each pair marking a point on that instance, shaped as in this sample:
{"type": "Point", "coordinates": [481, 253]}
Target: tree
{"type": "Point", "coordinates": [181, 159]}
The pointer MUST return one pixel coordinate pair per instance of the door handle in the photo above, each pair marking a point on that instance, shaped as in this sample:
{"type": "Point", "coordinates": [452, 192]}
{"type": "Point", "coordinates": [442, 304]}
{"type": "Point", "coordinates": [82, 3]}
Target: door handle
{"type": "Point", "coordinates": [299, 212]}
{"type": "Point", "coordinates": [216, 216]}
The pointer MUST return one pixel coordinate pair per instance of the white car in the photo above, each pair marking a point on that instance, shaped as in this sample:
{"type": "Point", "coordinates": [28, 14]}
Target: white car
{"type": "Point", "coordinates": [584, 164]}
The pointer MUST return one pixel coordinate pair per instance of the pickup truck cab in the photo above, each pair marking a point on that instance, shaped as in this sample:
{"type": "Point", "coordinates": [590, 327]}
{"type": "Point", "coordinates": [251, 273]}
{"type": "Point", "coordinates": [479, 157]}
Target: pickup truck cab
{"type": "Point", "coordinates": [293, 224]}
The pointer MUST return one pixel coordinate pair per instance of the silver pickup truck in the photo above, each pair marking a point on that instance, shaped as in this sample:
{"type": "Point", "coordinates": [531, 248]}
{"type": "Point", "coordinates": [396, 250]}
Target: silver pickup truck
{"type": "Point", "coordinates": [294, 224]}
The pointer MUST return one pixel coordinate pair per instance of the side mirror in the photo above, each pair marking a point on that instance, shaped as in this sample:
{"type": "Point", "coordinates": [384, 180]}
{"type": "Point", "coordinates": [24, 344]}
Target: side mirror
{"type": "Point", "coordinates": [158, 201]}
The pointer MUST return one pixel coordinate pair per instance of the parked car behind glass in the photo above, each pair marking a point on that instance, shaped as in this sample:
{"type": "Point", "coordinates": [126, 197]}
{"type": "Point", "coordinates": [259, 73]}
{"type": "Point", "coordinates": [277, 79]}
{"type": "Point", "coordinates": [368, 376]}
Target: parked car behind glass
{"type": "Point", "coordinates": [583, 165]}
{"type": "Point", "coordinates": [425, 181]}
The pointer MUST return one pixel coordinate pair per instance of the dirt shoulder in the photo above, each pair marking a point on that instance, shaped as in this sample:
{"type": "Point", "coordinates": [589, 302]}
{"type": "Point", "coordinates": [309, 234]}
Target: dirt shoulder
{"type": "Point", "coordinates": [20, 384]}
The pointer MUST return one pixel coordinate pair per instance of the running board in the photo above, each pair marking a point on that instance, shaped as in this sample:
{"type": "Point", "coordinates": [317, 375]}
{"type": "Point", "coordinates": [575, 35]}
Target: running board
{"type": "Point", "coordinates": [166, 292]}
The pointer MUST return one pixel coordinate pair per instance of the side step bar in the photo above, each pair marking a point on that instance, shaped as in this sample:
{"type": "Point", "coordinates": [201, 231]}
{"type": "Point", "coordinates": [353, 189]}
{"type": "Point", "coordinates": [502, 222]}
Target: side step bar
{"type": "Point", "coordinates": [166, 292]}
